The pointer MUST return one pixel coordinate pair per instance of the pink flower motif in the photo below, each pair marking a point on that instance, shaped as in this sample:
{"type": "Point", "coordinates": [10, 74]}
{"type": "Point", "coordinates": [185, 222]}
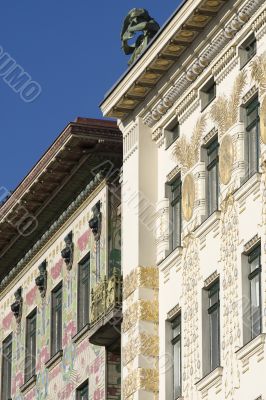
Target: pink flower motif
{"type": "Point", "coordinates": [7, 321]}
{"type": "Point", "coordinates": [97, 395]}
{"type": "Point", "coordinates": [31, 296]}
{"type": "Point", "coordinates": [56, 270]}
{"type": "Point", "coordinates": [83, 240]}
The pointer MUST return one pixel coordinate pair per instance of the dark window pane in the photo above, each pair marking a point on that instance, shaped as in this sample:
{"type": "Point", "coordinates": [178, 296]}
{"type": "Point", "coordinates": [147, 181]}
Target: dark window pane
{"type": "Point", "coordinates": [252, 137]}
{"type": "Point", "coordinates": [177, 369]}
{"type": "Point", "coordinates": [83, 293]}
{"type": "Point", "coordinates": [83, 392]}
{"type": "Point", "coordinates": [6, 368]}
{"type": "Point", "coordinates": [212, 177]}
{"type": "Point", "coordinates": [56, 328]}
{"type": "Point", "coordinates": [175, 214]}
{"type": "Point", "coordinates": [214, 325]}
{"type": "Point", "coordinates": [30, 361]}
{"type": "Point", "coordinates": [255, 292]}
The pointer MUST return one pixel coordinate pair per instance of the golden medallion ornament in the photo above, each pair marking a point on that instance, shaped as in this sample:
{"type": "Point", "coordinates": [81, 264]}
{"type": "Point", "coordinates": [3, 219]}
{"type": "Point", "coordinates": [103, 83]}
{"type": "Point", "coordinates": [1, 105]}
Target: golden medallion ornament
{"type": "Point", "coordinates": [263, 120]}
{"type": "Point", "coordinates": [226, 159]}
{"type": "Point", "coordinates": [188, 196]}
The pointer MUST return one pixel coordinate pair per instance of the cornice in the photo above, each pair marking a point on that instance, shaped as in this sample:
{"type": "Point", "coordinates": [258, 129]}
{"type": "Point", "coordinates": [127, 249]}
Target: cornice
{"type": "Point", "coordinates": [201, 63]}
{"type": "Point", "coordinates": [90, 188]}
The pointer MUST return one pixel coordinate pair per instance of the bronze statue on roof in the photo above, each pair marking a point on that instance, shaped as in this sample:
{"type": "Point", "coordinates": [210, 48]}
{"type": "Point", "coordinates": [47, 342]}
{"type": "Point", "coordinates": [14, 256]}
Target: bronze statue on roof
{"type": "Point", "coordinates": [138, 20]}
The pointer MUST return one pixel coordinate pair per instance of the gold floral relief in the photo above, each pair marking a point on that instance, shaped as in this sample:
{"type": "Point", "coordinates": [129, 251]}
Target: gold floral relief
{"type": "Point", "coordinates": [144, 344]}
{"type": "Point", "coordinates": [147, 277]}
{"type": "Point", "coordinates": [144, 310]}
{"type": "Point", "coordinates": [226, 159]}
{"type": "Point", "coordinates": [225, 110]}
{"type": "Point", "coordinates": [141, 379]}
{"type": "Point", "coordinates": [258, 72]}
{"type": "Point", "coordinates": [186, 152]}
{"type": "Point", "coordinates": [188, 196]}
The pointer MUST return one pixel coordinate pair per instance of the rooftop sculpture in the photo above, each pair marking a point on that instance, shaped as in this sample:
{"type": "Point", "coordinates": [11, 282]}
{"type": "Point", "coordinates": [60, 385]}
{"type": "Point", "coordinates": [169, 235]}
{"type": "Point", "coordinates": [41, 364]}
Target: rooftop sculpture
{"type": "Point", "coordinates": [137, 20]}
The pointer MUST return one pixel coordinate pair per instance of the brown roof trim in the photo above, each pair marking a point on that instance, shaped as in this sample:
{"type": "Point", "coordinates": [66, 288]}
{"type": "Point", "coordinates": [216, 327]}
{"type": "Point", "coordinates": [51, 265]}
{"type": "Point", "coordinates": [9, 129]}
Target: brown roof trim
{"type": "Point", "coordinates": [94, 129]}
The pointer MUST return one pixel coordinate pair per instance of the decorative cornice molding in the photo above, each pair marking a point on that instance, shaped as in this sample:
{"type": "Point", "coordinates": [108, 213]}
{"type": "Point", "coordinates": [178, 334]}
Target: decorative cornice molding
{"type": "Point", "coordinates": [174, 312]}
{"type": "Point", "coordinates": [210, 135]}
{"type": "Point", "coordinates": [211, 279]}
{"type": "Point", "coordinates": [53, 228]}
{"type": "Point", "coordinates": [249, 94]}
{"type": "Point", "coordinates": [202, 62]}
{"type": "Point", "coordinates": [251, 244]}
{"type": "Point", "coordinates": [173, 173]}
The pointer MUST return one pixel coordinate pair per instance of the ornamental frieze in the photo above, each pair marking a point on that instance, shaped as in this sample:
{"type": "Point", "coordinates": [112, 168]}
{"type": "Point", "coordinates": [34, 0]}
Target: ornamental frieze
{"type": "Point", "coordinates": [141, 379]}
{"type": "Point", "coordinates": [143, 344]}
{"type": "Point", "coordinates": [186, 152]}
{"type": "Point", "coordinates": [144, 310]}
{"type": "Point", "coordinates": [225, 111]}
{"type": "Point", "coordinates": [147, 277]}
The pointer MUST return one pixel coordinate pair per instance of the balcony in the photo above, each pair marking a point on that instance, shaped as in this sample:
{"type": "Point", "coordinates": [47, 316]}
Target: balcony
{"type": "Point", "coordinates": [106, 311]}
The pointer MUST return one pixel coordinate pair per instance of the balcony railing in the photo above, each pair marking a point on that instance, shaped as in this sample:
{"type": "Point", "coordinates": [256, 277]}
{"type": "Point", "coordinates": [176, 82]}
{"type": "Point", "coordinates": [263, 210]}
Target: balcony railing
{"type": "Point", "coordinates": [106, 310]}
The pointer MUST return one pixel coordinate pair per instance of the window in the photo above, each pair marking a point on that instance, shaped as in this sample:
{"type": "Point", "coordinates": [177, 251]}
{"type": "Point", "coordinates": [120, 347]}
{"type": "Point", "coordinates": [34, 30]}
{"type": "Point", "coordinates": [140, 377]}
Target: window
{"type": "Point", "coordinates": [83, 292]}
{"type": "Point", "coordinates": [30, 361]}
{"type": "Point", "coordinates": [252, 137]}
{"type": "Point", "coordinates": [171, 133]}
{"type": "Point", "coordinates": [247, 50]}
{"type": "Point", "coordinates": [6, 368]}
{"type": "Point", "coordinates": [175, 213]}
{"type": "Point", "coordinates": [211, 328]}
{"type": "Point", "coordinates": [208, 93]}
{"type": "Point", "coordinates": [83, 392]}
{"type": "Point", "coordinates": [253, 309]}
{"type": "Point", "coordinates": [56, 326]}
{"type": "Point", "coordinates": [212, 177]}
{"type": "Point", "coordinates": [176, 343]}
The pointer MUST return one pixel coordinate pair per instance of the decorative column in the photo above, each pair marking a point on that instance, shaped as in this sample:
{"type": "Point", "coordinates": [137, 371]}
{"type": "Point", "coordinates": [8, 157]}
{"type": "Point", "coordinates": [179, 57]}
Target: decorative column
{"type": "Point", "coordinates": [140, 342]}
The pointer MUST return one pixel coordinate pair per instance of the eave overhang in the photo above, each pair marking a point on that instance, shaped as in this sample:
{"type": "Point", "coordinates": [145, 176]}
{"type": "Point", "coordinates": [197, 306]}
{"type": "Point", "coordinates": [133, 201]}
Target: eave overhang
{"type": "Point", "coordinates": [60, 175]}
{"type": "Point", "coordinates": [168, 46]}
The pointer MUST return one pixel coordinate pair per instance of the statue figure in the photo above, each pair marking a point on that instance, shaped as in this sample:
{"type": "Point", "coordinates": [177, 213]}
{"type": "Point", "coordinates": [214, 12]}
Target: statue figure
{"type": "Point", "coordinates": [138, 20]}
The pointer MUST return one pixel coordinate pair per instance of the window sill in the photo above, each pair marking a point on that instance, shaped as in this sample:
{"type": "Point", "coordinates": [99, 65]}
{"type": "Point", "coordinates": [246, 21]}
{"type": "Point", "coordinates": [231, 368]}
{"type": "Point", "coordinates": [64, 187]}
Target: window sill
{"type": "Point", "coordinates": [171, 259]}
{"type": "Point", "coordinates": [81, 334]}
{"type": "Point", "coordinates": [28, 385]}
{"type": "Point", "coordinates": [208, 224]}
{"type": "Point", "coordinates": [213, 379]}
{"type": "Point", "coordinates": [54, 360]}
{"type": "Point", "coordinates": [253, 348]}
{"type": "Point", "coordinates": [248, 185]}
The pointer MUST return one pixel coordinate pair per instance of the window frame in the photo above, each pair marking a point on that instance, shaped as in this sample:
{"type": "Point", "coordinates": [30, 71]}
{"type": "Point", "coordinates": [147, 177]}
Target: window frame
{"type": "Point", "coordinates": [29, 372]}
{"type": "Point", "coordinates": [205, 98]}
{"type": "Point", "coordinates": [174, 225]}
{"type": "Point", "coordinates": [6, 361]}
{"type": "Point", "coordinates": [177, 323]}
{"type": "Point", "coordinates": [84, 263]}
{"type": "Point", "coordinates": [210, 148]}
{"type": "Point", "coordinates": [171, 132]}
{"type": "Point", "coordinates": [79, 394]}
{"type": "Point", "coordinates": [56, 336]}
{"type": "Point", "coordinates": [247, 140]}
{"type": "Point", "coordinates": [213, 290]}
{"type": "Point", "coordinates": [252, 256]}
{"type": "Point", "coordinates": [243, 51]}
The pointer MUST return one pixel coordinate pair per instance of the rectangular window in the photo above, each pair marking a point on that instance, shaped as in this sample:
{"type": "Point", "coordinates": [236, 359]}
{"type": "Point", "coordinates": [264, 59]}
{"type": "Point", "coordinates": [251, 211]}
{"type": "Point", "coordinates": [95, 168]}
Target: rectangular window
{"type": "Point", "coordinates": [6, 368]}
{"type": "Point", "coordinates": [252, 137]}
{"type": "Point", "coordinates": [175, 213]}
{"type": "Point", "coordinates": [212, 186]}
{"type": "Point", "coordinates": [82, 393]}
{"type": "Point", "coordinates": [56, 326]}
{"type": "Point", "coordinates": [176, 343]}
{"type": "Point", "coordinates": [30, 361]}
{"type": "Point", "coordinates": [214, 325]}
{"type": "Point", "coordinates": [171, 133]}
{"type": "Point", "coordinates": [247, 50]}
{"type": "Point", "coordinates": [208, 93]}
{"type": "Point", "coordinates": [83, 292]}
{"type": "Point", "coordinates": [254, 277]}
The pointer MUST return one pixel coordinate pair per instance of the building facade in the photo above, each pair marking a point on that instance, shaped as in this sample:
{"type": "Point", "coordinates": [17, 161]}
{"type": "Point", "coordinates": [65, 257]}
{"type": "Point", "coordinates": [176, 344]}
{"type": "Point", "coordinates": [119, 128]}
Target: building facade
{"type": "Point", "coordinates": [61, 270]}
{"type": "Point", "coordinates": [192, 111]}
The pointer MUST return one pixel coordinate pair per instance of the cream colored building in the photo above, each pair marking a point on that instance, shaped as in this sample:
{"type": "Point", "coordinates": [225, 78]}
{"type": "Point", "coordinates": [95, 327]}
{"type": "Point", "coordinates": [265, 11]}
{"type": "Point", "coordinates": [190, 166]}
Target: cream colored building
{"type": "Point", "coordinates": [192, 112]}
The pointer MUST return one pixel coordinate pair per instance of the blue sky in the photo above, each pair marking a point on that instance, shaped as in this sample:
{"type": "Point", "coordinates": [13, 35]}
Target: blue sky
{"type": "Point", "coordinates": [72, 49]}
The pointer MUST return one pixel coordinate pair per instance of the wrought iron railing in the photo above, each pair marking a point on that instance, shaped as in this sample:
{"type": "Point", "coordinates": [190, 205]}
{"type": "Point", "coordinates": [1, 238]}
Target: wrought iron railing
{"type": "Point", "coordinates": [105, 297]}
